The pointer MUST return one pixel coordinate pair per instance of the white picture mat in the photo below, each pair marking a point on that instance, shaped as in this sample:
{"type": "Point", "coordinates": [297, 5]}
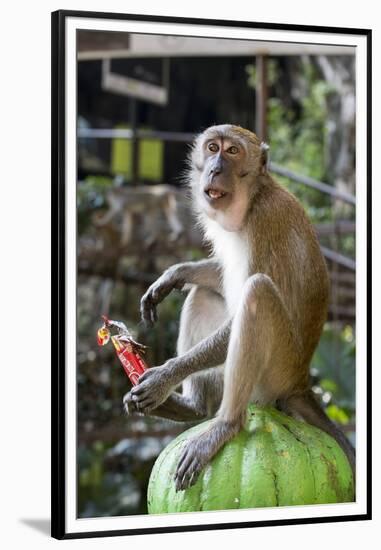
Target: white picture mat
{"type": "Point", "coordinates": [199, 518]}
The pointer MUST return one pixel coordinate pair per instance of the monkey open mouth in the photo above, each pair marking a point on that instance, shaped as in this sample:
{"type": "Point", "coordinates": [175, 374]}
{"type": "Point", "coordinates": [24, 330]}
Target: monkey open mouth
{"type": "Point", "coordinates": [213, 193]}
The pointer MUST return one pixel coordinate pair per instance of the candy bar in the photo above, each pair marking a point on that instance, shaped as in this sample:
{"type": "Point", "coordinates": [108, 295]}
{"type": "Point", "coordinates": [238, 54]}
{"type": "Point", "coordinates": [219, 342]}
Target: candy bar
{"type": "Point", "coordinates": [127, 349]}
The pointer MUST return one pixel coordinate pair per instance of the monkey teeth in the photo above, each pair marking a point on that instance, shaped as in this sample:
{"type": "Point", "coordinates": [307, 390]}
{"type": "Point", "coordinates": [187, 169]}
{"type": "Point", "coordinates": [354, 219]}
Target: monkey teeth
{"type": "Point", "coordinates": [215, 194]}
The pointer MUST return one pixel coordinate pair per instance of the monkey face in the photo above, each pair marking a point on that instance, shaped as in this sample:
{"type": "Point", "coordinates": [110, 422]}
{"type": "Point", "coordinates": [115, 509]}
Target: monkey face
{"type": "Point", "coordinates": [225, 162]}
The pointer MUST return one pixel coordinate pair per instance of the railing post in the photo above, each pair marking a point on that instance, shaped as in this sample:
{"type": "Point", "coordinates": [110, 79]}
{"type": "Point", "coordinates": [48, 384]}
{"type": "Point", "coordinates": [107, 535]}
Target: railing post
{"type": "Point", "coordinates": [134, 141]}
{"type": "Point", "coordinates": [261, 97]}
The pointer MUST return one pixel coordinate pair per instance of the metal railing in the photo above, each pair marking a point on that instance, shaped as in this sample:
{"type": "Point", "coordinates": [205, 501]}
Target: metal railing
{"type": "Point", "coordinates": [125, 133]}
{"type": "Point", "coordinates": [313, 184]}
{"type": "Point", "coordinates": [187, 137]}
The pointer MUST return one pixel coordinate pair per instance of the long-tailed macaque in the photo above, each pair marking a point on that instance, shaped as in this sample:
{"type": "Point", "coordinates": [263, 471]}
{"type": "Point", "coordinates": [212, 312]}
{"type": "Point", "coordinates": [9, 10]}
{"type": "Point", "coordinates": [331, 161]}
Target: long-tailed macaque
{"type": "Point", "coordinates": [256, 308]}
{"type": "Point", "coordinates": [148, 201]}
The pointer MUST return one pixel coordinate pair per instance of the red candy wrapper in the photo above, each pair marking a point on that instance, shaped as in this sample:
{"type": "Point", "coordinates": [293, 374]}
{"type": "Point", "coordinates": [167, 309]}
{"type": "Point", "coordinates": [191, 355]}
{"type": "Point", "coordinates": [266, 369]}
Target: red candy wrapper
{"type": "Point", "coordinates": [126, 348]}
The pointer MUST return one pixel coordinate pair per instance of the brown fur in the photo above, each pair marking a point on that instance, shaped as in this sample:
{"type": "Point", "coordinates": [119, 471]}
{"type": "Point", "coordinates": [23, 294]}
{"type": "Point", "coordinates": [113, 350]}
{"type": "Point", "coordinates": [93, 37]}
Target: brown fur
{"type": "Point", "coordinates": [278, 230]}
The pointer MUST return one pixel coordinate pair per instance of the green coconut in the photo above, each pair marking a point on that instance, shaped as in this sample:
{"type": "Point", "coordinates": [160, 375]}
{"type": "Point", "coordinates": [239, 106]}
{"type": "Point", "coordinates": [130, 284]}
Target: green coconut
{"type": "Point", "coordinates": [273, 461]}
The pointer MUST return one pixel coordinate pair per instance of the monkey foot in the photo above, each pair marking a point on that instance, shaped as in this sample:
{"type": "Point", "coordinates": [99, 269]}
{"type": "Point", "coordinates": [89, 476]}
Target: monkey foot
{"type": "Point", "coordinates": [199, 451]}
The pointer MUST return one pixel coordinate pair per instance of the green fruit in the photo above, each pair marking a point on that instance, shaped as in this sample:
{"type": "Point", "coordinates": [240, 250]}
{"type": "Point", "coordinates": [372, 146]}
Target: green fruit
{"type": "Point", "coordinates": [274, 461]}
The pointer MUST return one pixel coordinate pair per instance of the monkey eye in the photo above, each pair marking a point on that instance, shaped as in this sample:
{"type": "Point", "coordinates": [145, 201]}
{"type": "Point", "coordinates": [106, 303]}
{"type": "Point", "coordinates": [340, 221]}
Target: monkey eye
{"type": "Point", "coordinates": [213, 147]}
{"type": "Point", "coordinates": [233, 150]}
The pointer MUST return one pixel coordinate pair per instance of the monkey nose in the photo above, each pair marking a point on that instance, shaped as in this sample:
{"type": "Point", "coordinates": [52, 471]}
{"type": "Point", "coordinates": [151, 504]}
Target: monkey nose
{"type": "Point", "coordinates": [215, 171]}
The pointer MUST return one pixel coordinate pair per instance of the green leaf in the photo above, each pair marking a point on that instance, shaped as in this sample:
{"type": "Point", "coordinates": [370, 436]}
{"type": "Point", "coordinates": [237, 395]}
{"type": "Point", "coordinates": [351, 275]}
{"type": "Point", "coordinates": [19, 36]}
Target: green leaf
{"type": "Point", "coordinates": [337, 414]}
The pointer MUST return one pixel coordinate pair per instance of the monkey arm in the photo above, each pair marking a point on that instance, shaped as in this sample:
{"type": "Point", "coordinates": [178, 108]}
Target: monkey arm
{"type": "Point", "coordinates": [156, 384]}
{"type": "Point", "coordinates": [204, 273]}
{"type": "Point", "coordinates": [177, 407]}
{"type": "Point", "coordinates": [208, 353]}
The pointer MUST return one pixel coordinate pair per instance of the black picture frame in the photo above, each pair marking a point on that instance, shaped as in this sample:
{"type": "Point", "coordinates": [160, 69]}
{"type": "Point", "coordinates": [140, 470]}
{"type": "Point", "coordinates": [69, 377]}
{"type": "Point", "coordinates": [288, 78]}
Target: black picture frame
{"type": "Point", "coordinates": [59, 246]}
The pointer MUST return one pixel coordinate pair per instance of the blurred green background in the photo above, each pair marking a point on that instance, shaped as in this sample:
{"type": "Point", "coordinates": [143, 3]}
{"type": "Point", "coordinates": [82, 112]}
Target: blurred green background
{"type": "Point", "coordinates": [134, 221]}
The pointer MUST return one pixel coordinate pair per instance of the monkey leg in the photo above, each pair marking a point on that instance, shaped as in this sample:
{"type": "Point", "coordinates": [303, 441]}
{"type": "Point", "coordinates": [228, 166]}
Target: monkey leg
{"type": "Point", "coordinates": [171, 213]}
{"type": "Point", "coordinates": [107, 216]}
{"type": "Point", "coordinates": [126, 229]}
{"type": "Point", "coordinates": [262, 365]}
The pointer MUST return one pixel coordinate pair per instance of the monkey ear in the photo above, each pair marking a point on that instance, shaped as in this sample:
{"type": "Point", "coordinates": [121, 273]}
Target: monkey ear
{"type": "Point", "coordinates": [265, 156]}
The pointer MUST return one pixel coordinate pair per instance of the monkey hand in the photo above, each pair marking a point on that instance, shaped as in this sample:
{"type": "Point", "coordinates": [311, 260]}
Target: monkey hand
{"type": "Point", "coordinates": [156, 294]}
{"type": "Point", "coordinates": [153, 389]}
{"type": "Point", "coordinates": [200, 450]}
{"type": "Point", "coordinates": [129, 404]}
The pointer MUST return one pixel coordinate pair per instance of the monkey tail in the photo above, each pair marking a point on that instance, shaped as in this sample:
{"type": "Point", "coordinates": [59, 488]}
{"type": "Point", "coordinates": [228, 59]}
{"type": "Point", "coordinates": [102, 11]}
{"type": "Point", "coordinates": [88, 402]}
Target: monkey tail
{"type": "Point", "coordinates": [306, 406]}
